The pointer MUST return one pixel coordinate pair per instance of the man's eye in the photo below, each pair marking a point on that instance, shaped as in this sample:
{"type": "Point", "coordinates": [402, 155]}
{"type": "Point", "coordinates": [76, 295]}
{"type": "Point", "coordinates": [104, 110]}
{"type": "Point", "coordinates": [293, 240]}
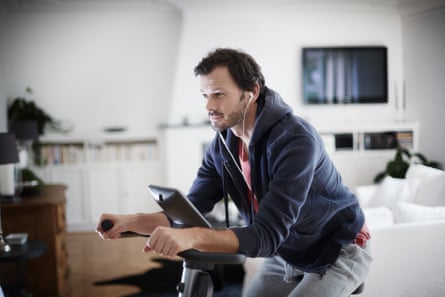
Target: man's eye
{"type": "Point", "coordinates": [213, 96]}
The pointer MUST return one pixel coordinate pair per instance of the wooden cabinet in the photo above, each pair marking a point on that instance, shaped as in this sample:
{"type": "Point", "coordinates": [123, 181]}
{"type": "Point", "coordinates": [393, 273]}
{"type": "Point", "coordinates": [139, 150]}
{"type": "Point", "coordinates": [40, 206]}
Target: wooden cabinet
{"type": "Point", "coordinates": [43, 218]}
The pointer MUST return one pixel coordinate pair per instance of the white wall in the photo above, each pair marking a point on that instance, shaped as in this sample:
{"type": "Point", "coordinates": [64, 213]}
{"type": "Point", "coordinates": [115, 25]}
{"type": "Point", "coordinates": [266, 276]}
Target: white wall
{"type": "Point", "coordinates": [3, 116]}
{"type": "Point", "coordinates": [3, 110]}
{"type": "Point", "coordinates": [94, 65]}
{"type": "Point", "coordinates": [424, 44]}
{"type": "Point", "coordinates": [133, 65]}
{"type": "Point", "coordinates": [3, 97]}
{"type": "Point", "coordinates": [275, 36]}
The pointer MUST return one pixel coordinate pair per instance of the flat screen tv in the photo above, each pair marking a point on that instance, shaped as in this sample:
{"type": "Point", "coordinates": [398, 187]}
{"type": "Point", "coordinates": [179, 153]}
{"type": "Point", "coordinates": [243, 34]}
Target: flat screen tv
{"type": "Point", "coordinates": [345, 75]}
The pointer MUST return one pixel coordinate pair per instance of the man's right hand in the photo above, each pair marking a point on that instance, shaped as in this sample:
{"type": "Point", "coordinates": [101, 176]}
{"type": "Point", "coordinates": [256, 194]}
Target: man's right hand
{"type": "Point", "coordinates": [114, 226]}
{"type": "Point", "coordinates": [133, 224]}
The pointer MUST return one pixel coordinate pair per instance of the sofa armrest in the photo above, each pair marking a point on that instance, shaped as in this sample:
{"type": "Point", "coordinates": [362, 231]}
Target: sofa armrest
{"type": "Point", "coordinates": [407, 260]}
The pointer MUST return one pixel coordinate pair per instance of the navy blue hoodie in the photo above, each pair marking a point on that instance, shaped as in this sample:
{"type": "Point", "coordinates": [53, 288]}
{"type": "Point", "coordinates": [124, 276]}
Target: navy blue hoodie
{"type": "Point", "coordinates": [306, 213]}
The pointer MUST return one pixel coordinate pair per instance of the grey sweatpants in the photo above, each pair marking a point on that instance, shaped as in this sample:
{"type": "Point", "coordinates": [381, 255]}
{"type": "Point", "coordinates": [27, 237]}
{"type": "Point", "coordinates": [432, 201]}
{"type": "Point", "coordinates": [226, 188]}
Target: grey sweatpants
{"type": "Point", "coordinates": [280, 279]}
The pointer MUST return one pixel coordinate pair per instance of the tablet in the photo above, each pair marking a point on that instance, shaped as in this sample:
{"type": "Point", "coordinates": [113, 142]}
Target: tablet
{"type": "Point", "coordinates": [177, 207]}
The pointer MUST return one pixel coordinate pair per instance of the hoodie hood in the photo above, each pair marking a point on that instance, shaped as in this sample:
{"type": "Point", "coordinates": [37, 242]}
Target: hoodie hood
{"type": "Point", "coordinates": [271, 109]}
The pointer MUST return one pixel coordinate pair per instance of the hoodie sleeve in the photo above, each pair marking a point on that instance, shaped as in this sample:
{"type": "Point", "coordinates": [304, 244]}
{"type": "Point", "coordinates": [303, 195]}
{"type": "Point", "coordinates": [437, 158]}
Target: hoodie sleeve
{"type": "Point", "coordinates": [206, 189]}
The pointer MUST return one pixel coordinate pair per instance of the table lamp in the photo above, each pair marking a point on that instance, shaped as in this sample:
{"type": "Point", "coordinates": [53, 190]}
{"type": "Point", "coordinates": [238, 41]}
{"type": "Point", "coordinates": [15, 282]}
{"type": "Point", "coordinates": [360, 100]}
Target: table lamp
{"type": "Point", "coordinates": [26, 132]}
{"type": "Point", "coordinates": [8, 157]}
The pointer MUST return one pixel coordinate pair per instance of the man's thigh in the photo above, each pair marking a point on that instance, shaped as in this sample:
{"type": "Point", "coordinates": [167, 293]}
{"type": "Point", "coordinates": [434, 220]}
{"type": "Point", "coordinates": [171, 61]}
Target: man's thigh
{"type": "Point", "coordinates": [268, 280]}
{"type": "Point", "coordinates": [340, 279]}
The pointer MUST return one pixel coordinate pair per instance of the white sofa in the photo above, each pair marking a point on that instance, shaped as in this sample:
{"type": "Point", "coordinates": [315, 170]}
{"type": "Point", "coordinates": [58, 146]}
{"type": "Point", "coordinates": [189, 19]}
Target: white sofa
{"type": "Point", "coordinates": [406, 218]}
{"type": "Point", "coordinates": [408, 261]}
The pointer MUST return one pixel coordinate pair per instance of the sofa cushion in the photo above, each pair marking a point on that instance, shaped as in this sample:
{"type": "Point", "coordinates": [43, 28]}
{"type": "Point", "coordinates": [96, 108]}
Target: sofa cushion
{"type": "Point", "coordinates": [365, 193]}
{"type": "Point", "coordinates": [431, 192]}
{"type": "Point", "coordinates": [407, 212]}
{"type": "Point", "coordinates": [377, 217]}
{"type": "Point", "coordinates": [422, 172]}
{"type": "Point", "coordinates": [391, 191]}
{"type": "Point", "coordinates": [430, 188]}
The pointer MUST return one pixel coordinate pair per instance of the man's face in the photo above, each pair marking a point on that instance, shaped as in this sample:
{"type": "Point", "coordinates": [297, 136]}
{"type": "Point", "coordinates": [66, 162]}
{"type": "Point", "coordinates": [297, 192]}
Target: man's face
{"type": "Point", "coordinates": [225, 101]}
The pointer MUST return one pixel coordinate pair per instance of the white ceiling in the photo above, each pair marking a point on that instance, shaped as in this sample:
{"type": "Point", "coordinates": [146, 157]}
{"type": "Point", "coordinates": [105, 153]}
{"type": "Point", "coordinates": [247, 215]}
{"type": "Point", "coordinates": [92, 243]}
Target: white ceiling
{"type": "Point", "coordinates": [403, 6]}
{"type": "Point", "coordinates": [253, 3]}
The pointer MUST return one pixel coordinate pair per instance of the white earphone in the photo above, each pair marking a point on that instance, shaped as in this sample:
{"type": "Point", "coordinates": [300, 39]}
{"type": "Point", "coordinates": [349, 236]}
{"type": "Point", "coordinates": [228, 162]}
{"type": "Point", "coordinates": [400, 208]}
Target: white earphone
{"type": "Point", "coordinates": [250, 96]}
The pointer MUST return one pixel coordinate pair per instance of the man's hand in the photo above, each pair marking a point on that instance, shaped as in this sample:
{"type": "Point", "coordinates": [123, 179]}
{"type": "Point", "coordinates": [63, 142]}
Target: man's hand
{"type": "Point", "coordinates": [142, 224]}
{"type": "Point", "coordinates": [169, 241]}
{"type": "Point", "coordinates": [116, 228]}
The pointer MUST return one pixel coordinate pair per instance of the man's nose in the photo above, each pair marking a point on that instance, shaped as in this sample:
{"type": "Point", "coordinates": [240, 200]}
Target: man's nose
{"type": "Point", "coordinates": [210, 104]}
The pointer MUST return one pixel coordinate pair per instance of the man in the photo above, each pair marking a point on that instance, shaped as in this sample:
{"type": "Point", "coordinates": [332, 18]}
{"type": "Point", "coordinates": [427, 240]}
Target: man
{"type": "Point", "coordinates": [274, 167]}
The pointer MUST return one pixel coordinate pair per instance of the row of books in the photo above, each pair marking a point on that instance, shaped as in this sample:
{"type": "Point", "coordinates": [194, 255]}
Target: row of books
{"type": "Point", "coordinates": [58, 154]}
{"type": "Point", "coordinates": [405, 139]}
{"type": "Point", "coordinates": [368, 141]}
{"type": "Point", "coordinates": [388, 140]}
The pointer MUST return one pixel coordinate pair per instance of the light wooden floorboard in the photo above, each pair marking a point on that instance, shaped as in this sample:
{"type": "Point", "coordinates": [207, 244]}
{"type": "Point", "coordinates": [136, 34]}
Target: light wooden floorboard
{"type": "Point", "coordinates": [93, 259]}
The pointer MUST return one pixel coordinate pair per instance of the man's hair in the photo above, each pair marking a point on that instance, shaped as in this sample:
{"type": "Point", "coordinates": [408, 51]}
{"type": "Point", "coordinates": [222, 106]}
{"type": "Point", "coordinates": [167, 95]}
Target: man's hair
{"type": "Point", "coordinates": [244, 70]}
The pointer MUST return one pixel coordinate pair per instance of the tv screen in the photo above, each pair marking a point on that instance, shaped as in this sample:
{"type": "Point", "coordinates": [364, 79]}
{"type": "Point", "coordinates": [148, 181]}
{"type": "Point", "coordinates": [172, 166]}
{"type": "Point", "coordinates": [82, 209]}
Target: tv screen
{"type": "Point", "coordinates": [345, 75]}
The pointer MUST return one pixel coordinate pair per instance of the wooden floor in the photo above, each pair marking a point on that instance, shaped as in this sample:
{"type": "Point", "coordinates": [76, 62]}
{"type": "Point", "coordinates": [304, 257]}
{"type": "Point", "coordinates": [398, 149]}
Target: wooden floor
{"type": "Point", "coordinates": [94, 259]}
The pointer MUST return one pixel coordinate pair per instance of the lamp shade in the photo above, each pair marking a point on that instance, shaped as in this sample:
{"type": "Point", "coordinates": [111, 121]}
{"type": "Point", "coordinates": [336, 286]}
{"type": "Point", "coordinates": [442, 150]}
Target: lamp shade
{"type": "Point", "coordinates": [8, 149]}
{"type": "Point", "coordinates": [24, 130]}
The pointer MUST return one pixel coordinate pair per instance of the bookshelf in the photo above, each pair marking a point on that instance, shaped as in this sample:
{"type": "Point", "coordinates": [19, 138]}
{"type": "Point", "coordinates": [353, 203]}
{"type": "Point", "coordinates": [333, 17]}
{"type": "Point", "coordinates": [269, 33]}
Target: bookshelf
{"type": "Point", "coordinates": [105, 173]}
{"type": "Point", "coordinates": [66, 150]}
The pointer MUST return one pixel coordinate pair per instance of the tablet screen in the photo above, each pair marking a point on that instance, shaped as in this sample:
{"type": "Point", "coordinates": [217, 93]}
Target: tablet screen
{"type": "Point", "coordinates": [178, 208]}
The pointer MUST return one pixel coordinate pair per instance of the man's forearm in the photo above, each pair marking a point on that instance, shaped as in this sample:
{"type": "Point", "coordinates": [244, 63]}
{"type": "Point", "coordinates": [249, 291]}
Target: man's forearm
{"type": "Point", "coordinates": [145, 223]}
{"type": "Point", "coordinates": [224, 241]}
{"type": "Point", "coordinates": [170, 241]}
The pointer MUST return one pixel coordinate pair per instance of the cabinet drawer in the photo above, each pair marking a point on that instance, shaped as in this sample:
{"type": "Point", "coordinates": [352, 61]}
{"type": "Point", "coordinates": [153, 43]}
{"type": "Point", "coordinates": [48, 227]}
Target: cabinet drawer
{"type": "Point", "coordinates": [61, 218]}
{"type": "Point", "coordinates": [61, 251]}
{"type": "Point", "coordinates": [62, 266]}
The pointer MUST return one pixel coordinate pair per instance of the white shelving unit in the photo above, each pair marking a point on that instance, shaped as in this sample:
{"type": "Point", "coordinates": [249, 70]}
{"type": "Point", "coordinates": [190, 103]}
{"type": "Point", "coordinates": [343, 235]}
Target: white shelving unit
{"type": "Point", "coordinates": [106, 173]}
{"type": "Point", "coordinates": [361, 151]}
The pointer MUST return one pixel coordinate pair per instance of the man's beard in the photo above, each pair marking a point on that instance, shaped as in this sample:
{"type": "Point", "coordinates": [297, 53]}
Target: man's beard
{"type": "Point", "coordinates": [233, 119]}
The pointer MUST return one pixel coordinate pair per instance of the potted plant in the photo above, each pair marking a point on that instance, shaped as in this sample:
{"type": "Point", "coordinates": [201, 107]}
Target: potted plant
{"type": "Point", "coordinates": [398, 166]}
{"type": "Point", "coordinates": [21, 109]}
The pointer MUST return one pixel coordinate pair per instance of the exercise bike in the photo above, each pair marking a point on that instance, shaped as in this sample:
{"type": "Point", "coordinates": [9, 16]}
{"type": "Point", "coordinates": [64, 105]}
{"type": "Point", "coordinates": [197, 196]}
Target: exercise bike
{"type": "Point", "coordinates": [196, 280]}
